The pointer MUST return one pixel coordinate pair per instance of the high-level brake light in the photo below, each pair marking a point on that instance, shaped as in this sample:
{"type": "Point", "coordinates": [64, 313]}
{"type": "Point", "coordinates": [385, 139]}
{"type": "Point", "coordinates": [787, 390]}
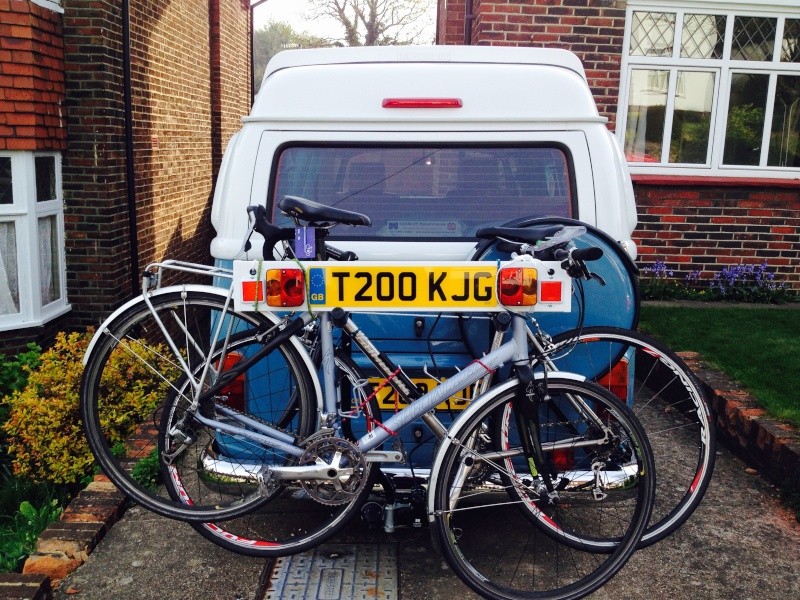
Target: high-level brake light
{"type": "Point", "coordinates": [285, 287]}
{"type": "Point", "coordinates": [517, 286]}
{"type": "Point", "coordinates": [422, 103]}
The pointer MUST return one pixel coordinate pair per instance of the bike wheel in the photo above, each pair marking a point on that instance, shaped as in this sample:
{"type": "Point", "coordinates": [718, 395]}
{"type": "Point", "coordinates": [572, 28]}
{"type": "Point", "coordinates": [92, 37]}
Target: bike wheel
{"type": "Point", "coordinates": [604, 490]}
{"type": "Point", "coordinates": [134, 371]}
{"type": "Point", "coordinates": [292, 522]}
{"type": "Point", "coordinates": [668, 401]}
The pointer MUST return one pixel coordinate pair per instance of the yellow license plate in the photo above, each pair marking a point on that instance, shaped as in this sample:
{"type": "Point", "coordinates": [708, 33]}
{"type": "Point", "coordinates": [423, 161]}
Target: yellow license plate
{"type": "Point", "coordinates": [411, 286]}
{"type": "Point", "coordinates": [389, 400]}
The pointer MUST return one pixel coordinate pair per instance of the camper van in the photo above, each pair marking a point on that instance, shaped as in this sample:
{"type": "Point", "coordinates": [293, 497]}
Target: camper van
{"type": "Point", "coordinates": [433, 143]}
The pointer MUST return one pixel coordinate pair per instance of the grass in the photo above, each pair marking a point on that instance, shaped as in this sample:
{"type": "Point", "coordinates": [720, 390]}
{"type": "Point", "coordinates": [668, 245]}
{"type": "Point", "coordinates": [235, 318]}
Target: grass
{"type": "Point", "coordinates": [758, 347]}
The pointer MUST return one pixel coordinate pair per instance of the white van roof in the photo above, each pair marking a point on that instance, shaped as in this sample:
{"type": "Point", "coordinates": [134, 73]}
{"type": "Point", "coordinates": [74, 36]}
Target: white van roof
{"type": "Point", "coordinates": [493, 84]}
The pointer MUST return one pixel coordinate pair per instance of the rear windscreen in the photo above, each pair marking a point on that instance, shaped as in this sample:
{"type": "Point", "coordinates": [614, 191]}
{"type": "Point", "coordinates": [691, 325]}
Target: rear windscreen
{"type": "Point", "coordinates": [427, 192]}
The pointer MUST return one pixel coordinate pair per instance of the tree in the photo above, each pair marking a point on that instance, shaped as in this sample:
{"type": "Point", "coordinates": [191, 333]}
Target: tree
{"type": "Point", "coordinates": [378, 22]}
{"type": "Point", "coordinates": [277, 36]}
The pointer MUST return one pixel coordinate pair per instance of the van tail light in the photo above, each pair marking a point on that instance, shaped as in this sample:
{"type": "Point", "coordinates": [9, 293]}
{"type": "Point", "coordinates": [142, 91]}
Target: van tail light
{"type": "Point", "coordinates": [285, 287]}
{"type": "Point", "coordinates": [422, 103]}
{"type": "Point", "coordinates": [232, 394]}
{"type": "Point", "coordinates": [616, 380]}
{"type": "Point", "coordinates": [563, 459]}
{"type": "Point", "coordinates": [517, 286]}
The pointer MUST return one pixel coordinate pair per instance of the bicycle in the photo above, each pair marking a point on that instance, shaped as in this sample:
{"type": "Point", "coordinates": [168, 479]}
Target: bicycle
{"type": "Point", "coordinates": [293, 455]}
{"type": "Point", "coordinates": [663, 392]}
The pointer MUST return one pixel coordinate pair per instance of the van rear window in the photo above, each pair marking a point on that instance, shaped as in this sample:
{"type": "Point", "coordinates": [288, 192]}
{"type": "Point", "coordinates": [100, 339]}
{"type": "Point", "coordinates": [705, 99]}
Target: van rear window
{"type": "Point", "coordinates": [427, 192]}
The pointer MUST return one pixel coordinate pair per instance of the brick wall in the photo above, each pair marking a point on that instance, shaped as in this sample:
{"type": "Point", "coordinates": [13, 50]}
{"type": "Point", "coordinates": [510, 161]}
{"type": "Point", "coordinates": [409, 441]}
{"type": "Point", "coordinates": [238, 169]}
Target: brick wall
{"type": "Point", "coordinates": [709, 227]}
{"type": "Point", "coordinates": [183, 116]}
{"type": "Point", "coordinates": [31, 77]}
{"type": "Point", "coordinates": [591, 29]}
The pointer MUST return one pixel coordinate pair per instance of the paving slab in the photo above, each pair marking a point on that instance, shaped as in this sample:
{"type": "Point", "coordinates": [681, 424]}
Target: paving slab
{"type": "Point", "coordinates": [740, 544]}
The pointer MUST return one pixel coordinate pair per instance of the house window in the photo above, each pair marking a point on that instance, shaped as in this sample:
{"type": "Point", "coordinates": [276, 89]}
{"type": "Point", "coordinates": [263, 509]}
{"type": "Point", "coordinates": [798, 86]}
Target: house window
{"type": "Point", "coordinates": [32, 271]}
{"type": "Point", "coordinates": [711, 92]}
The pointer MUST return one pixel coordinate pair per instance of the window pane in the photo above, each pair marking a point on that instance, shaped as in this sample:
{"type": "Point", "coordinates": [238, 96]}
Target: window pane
{"type": "Point", "coordinates": [6, 195]}
{"type": "Point", "coordinates": [45, 178]}
{"type": "Point", "coordinates": [647, 102]}
{"type": "Point", "coordinates": [790, 49]}
{"type": "Point", "coordinates": [49, 263]}
{"type": "Point", "coordinates": [652, 34]}
{"type": "Point", "coordinates": [9, 282]}
{"type": "Point", "coordinates": [753, 38]}
{"type": "Point", "coordinates": [691, 119]}
{"type": "Point", "coordinates": [746, 108]}
{"type": "Point", "coordinates": [427, 192]}
{"type": "Point", "coordinates": [784, 144]}
{"type": "Point", "coordinates": [703, 36]}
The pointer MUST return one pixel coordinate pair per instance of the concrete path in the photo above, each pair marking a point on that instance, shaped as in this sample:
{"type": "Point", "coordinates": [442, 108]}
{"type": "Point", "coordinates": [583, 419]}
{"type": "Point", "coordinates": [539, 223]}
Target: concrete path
{"type": "Point", "coordinates": [740, 544]}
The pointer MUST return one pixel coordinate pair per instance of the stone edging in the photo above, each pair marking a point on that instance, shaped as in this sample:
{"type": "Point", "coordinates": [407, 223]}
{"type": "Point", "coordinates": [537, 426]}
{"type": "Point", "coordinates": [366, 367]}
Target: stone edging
{"type": "Point", "coordinates": [767, 445]}
{"type": "Point", "coordinates": [764, 443]}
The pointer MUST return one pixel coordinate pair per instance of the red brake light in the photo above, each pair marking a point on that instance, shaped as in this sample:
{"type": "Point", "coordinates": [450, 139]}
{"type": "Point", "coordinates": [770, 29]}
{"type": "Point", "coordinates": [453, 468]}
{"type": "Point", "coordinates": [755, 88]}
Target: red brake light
{"type": "Point", "coordinates": [563, 459]}
{"type": "Point", "coordinates": [422, 103]}
{"type": "Point", "coordinates": [517, 286]}
{"type": "Point", "coordinates": [616, 380]}
{"type": "Point", "coordinates": [233, 394]}
{"type": "Point", "coordinates": [285, 287]}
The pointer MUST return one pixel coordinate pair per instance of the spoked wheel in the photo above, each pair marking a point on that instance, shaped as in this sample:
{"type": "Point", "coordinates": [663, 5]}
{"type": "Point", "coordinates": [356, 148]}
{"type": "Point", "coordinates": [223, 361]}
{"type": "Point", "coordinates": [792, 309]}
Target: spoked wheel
{"type": "Point", "coordinates": [148, 361]}
{"type": "Point", "coordinates": [293, 521]}
{"type": "Point", "coordinates": [510, 535]}
{"type": "Point", "coordinates": [668, 401]}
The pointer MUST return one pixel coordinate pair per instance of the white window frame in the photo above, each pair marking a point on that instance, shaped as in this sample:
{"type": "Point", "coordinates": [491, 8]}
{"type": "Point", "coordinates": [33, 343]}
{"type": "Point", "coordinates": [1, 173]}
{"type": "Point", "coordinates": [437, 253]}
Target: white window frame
{"type": "Point", "coordinates": [723, 69]}
{"type": "Point", "coordinates": [25, 213]}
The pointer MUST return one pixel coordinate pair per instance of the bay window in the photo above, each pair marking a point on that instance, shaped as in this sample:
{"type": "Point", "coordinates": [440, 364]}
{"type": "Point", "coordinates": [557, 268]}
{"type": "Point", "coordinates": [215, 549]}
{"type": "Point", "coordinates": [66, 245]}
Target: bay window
{"type": "Point", "coordinates": [711, 91]}
{"type": "Point", "coordinates": [32, 268]}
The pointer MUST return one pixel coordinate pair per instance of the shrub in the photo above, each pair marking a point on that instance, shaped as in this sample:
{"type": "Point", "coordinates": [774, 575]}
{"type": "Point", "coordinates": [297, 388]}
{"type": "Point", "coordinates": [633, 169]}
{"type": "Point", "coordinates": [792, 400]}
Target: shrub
{"type": "Point", "coordinates": [20, 531]}
{"type": "Point", "coordinates": [14, 377]}
{"type": "Point", "coordinates": [14, 372]}
{"type": "Point", "coordinates": [45, 437]}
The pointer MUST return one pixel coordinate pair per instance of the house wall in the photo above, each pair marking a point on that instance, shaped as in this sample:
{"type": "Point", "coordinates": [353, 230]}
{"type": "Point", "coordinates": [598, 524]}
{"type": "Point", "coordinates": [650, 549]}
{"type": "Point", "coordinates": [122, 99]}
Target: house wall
{"type": "Point", "coordinates": [706, 227]}
{"type": "Point", "coordinates": [187, 101]}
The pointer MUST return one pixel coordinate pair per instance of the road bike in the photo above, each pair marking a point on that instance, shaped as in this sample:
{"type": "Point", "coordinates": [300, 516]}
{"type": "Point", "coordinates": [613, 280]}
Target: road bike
{"type": "Point", "coordinates": [244, 425]}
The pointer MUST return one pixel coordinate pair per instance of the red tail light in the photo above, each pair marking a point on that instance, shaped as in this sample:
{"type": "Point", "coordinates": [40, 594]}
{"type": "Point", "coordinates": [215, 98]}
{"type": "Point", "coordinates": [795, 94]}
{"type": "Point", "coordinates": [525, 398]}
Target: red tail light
{"type": "Point", "coordinates": [564, 459]}
{"type": "Point", "coordinates": [616, 380]}
{"type": "Point", "coordinates": [285, 287]}
{"type": "Point", "coordinates": [422, 103]}
{"type": "Point", "coordinates": [517, 286]}
{"type": "Point", "coordinates": [234, 391]}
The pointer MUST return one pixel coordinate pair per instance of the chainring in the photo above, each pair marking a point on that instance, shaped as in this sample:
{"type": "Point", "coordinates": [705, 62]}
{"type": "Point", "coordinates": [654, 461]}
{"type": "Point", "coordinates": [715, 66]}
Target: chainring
{"type": "Point", "coordinates": [340, 454]}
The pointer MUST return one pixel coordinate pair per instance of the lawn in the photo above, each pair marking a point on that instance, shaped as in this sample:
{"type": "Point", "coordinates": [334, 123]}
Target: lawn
{"type": "Point", "coordinates": [758, 347]}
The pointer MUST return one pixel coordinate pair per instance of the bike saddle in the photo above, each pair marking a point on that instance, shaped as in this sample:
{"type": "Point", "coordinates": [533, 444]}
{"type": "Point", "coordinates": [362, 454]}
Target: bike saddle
{"type": "Point", "coordinates": [315, 213]}
{"type": "Point", "coordinates": [526, 235]}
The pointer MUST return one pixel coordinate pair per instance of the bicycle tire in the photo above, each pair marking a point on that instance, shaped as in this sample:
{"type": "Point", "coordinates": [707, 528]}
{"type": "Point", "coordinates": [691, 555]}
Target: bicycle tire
{"type": "Point", "coordinates": [498, 547]}
{"type": "Point", "coordinates": [259, 533]}
{"type": "Point", "coordinates": [669, 402]}
{"type": "Point", "coordinates": [131, 373]}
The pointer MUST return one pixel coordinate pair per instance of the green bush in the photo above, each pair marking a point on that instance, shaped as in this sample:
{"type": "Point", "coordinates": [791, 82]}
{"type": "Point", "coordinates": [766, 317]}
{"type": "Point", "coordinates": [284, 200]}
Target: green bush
{"type": "Point", "coordinates": [20, 531]}
{"type": "Point", "coordinates": [45, 437]}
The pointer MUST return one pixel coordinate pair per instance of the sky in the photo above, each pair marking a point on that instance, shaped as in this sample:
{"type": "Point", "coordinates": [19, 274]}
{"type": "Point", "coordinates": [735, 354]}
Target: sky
{"type": "Point", "coordinates": [294, 11]}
